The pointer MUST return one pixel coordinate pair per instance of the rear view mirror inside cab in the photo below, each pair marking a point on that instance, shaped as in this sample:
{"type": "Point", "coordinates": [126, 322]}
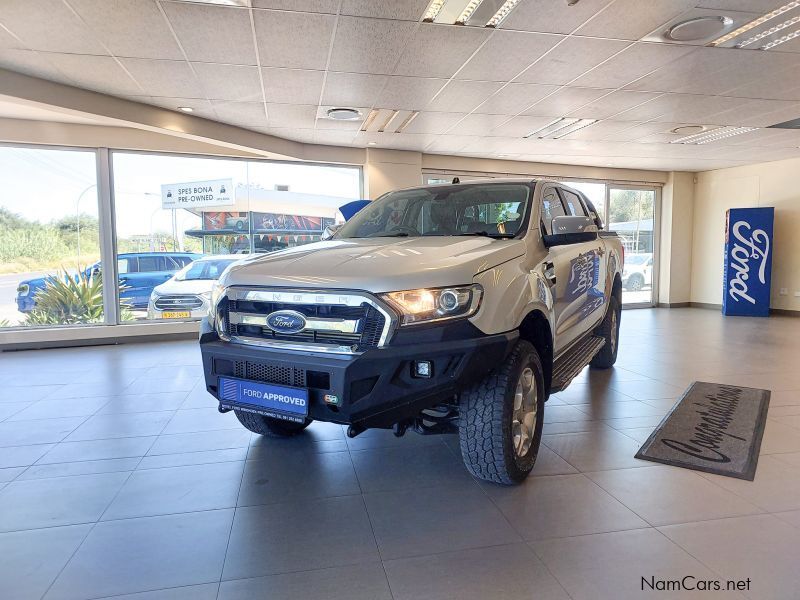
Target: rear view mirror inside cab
{"type": "Point", "coordinates": [571, 230]}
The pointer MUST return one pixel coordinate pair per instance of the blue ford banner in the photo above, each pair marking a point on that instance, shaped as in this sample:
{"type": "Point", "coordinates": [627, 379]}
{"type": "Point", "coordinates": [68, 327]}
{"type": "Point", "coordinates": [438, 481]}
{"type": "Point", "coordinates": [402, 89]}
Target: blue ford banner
{"type": "Point", "coordinates": [264, 398]}
{"type": "Point", "coordinates": [748, 261]}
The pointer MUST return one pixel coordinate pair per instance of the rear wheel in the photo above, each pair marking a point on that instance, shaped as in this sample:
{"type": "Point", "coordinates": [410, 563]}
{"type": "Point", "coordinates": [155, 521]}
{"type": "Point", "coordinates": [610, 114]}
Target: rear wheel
{"type": "Point", "coordinates": [269, 426]}
{"type": "Point", "coordinates": [500, 425]}
{"type": "Point", "coordinates": [609, 330]}
{"type": "Point", "coordinates": [635, 283]}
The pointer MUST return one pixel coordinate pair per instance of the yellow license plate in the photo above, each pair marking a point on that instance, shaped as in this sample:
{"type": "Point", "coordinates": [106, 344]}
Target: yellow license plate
{"type": "Point", "coordinates": [179, 314]}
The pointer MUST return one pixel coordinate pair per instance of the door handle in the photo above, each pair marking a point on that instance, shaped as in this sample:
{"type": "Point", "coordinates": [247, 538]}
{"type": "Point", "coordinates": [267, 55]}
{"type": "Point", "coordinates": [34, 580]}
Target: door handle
{"type": "Point", "coordinates": [550, 273]}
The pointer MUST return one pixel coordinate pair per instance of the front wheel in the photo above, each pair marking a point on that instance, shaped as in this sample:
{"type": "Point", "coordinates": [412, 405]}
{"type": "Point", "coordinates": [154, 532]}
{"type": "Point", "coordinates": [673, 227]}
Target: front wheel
{"type": "Point", "coordinates": [268, 426]}
{"type": "Point", "coordinates": [500, 425]}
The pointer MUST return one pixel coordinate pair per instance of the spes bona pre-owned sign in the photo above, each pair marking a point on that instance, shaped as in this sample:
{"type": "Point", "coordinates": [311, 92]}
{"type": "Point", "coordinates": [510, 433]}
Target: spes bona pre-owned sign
{"type": "Point", "coordinates": [218, 192]}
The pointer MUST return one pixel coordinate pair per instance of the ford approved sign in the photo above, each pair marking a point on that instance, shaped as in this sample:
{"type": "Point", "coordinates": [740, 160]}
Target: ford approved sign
{"type": "Point", "coordinates": [748, 261]}
{"type": "Point", "coordinates": [275, 401]}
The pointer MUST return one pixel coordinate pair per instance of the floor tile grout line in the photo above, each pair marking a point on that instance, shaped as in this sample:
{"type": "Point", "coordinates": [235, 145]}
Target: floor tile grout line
{"type": "Point", "coordinates": [233, 518]}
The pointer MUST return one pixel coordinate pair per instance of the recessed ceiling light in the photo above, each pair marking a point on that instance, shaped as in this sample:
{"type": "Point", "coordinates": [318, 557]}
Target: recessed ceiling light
{"type": "Point", "coordinates": [756, 22]}
{"type": "Point", "coordinates": [786, 38]}
{"type": "Point", "coordinates": [768, 32]}
{"type": "Point", "coordinates": [372, 143]}
{"type": "Point", "coordinates": [467, 12]}
{"type": "Point", "coordinates": [344, 114]}
{"type": "Point", "coordinates": [186, 109]}
{"type": "Point", "coordinates": [502, 13]}
{"type": "Point", "coordinates": [689, 129]}
{"type": "Point", "coordinates": [433, 9]}
{"type": "Point", "coordinates": [698, 28]}
{"type": "Point", "coordinates": [561, 127]}
{"type": "Point", "coordinates": [715, 135]}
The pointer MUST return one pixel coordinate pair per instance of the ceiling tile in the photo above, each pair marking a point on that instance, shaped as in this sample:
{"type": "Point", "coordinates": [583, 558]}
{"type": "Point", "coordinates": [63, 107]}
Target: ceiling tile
{"type": "Point", "coordinates": [450, 143]}
{"type": "Point", "coordinates": [612, 104]}
{"type": "Point", "coordinates": [401, 10]}
{"type": "Point", "coordinates": [48, 25]}
{"type": "Point", "coordinates": [484, 125]}
{"type": "Point", "coordinates": [410, 93]}
{"type": "Point", "coordinates": [632, 63]}
{"type": "Point", "coordinates": [9, 41]}
{"type": "Point", "coordinates": [213, 33]}
{"type": "Point", "coordinates": [564, 101]}
{"type": "Point", "coordinates": [601, 130]}
{"type": "Point", "coordinates": [97, 73]}
{"type": "Point", "coordinates": [35, 64]}
{"type": "Point", "coordinates": [514, 98]}
{"type": "Point", "coordinates": [334, 138]}
{"type": "Point", "coordinates": [759, 6]}
{"type": "Point", "coordinates": [571, 59]}
{"type": "Point", "coordinates": [633, 19]}
{"type": "Point", "coordinates": [318, 6]}
{"type": "Point", "coordinates": [243, 114]}
{"type": "Point", "coordinates": [292, 115]}
{"type": "Point", "coordinates": [521, 126]}
{"type": "Point", "coordinates": [352, 89]}
{"type": "Point", "coordinates": [424, 57]}
{"type": "Point", "coordinates": [506, 54]}
{"type": "Point", "coordinates": [112, 20]}
{"type": "Point", "coordinates": [368, 45]}
{"type": "Point", "coordinates": [463, 96]}
{"type": "Point", "coordinates": [229, 82]}
{"type": "Point", "coordinates": [164, 77]}
{"type": "Point", "coordinates": [551, 16]}
{"type": "Point", "coordinates": [433, 122]}
{"type": "Point", "coordinates": [293, 40]}
{"type": "Point", "coordinates": [288, 133]}
{"type": "Point", "coordinates": [758, 113]}
{"type": "Point", "coordinates": [292, 86]}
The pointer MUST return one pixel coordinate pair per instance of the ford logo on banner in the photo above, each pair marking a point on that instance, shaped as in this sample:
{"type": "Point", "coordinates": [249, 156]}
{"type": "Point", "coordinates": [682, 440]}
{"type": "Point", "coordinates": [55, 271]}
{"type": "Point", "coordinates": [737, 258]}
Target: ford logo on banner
{"type": "Point", "coordinates": [286, 321]}
{"type": "Point", "coordinates": [748, 261]}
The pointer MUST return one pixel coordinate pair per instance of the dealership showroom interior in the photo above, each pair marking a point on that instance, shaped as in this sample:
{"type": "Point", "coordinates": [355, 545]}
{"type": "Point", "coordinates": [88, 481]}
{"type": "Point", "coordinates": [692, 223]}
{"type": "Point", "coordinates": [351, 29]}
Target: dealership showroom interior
{"type": "Point", "coordinates": [399, 299]}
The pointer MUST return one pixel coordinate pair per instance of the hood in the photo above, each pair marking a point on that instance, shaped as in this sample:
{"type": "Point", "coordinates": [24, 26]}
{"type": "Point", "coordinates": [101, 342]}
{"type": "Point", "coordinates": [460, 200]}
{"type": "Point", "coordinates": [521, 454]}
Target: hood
{"type": "Point", "coordinates": [376, 264]}
{"type": "Point", "coordinates": [195, 286]}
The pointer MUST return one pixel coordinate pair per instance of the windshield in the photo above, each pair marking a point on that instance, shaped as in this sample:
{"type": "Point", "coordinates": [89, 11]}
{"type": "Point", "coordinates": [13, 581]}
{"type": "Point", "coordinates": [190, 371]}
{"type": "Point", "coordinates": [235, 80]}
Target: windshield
{"type": "Point", "coordinates": [203, 269]}
{"type": "Point", "coordinates": [636, 259]}
{"type": "Point", "coordinates": [495, 210]}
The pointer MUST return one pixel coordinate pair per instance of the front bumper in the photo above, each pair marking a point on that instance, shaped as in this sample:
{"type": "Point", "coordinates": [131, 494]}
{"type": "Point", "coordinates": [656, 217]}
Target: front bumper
{"type": "Point", "coordinates": [376, 388]}
{"type": "Point", "coordinates": [26, 303]}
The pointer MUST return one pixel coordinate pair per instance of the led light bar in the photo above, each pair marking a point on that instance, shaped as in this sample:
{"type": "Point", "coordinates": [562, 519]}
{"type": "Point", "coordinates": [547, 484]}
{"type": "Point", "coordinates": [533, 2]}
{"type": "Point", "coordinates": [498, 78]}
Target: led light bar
{"type": "Point", "coordinates": [706, 137]}
{"type": "Point", "coordinates": [370, 118]}
{"type": "Point", "coordinates": [406, 122]}
{"type": "Point", "coordinates": [433, 9]}
{"type": "Point", "coordinates": [573, 128]}
{"type": "Point", "coordinates": [467, 12]}
{"type": "Point", "coordinates": [781, 40]}
{"type": "Point", "coordinates": [768, 32]}
{"type": "Point", "coordinates": [503, 11]}
{"type": "Point", "coordinates": [755, 23]}
{"type": "Point", "coordinates": [388, 120]}
{"type": "Point", "coordinates": [551, 127]}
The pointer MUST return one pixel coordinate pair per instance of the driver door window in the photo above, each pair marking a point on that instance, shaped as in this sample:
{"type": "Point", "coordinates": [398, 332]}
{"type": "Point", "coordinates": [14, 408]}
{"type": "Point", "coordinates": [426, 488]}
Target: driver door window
{"type": "Point", "coordinates": [551, 208]}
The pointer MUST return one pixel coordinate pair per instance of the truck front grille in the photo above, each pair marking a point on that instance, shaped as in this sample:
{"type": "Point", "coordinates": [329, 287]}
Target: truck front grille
{"type": "Point", "coordinates": [369, 323]}
{"type": "Point", "coordinates": [291, 376]}
{"type": "Point", "coordinates": [179, 302]}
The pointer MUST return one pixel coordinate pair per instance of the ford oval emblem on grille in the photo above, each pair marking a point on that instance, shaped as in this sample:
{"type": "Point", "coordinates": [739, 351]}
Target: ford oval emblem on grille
{"type": "Point", "coordinates": [286, 321]}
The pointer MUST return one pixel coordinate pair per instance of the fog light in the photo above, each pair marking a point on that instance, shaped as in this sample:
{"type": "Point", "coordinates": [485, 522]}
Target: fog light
{"type": "Point", "coordinates": [423, 368]}
{"type": "Point", "coordinates": [332, 400]}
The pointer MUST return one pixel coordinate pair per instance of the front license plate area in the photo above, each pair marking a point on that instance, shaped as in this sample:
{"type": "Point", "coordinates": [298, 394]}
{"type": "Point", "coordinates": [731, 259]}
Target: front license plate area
{"type": "Point", "coordinates": [268, 399]}
{"type": "Point", "coordinates": [176, 314]}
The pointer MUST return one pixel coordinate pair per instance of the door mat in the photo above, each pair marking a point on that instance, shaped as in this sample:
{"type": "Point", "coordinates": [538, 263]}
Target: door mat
{"type": "Point", "coordinates": [714, 428]}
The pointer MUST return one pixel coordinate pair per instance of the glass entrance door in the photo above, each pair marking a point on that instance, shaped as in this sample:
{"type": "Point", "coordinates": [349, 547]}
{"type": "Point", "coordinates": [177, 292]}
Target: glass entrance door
{"type": "Point", "coordinates": [632, 213]}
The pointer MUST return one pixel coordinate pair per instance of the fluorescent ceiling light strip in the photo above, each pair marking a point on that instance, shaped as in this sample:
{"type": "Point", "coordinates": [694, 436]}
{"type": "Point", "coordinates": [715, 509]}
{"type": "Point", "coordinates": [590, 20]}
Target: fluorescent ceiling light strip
{"type": "Point", "coordinates": [433, 9]}
{"type": "Point", "coordinates": [714, 135]}
{"type": "Point", "coordinates": [552, 126]}
{"type": "Point", "coordinates": [755, 23]}
{"type": "Point", "coordinates": [408, 120]}
{"type": "Point", "coordinates": [502, 13]}
{"type": "Point", "coordinates": [467, 12]}
{"type": "Point", "coordinates": [370, 118]}
{"type": "Point", "coordinates": [769, 32]}
{"type": "Point", "coordinates": [788, 37]}
{"type": "Point", "coordinates": [574, 127]}
{"type": "Point", "coordinates": [391, 118]}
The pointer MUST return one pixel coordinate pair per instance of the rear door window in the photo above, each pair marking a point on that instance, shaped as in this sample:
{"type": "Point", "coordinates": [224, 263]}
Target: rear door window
{"type": "Point", "coordinates": [551, 208]}
{"type": "Point", "coordinates": [151, 264]}
{"type": "Point", "coordinates": [573, 203]}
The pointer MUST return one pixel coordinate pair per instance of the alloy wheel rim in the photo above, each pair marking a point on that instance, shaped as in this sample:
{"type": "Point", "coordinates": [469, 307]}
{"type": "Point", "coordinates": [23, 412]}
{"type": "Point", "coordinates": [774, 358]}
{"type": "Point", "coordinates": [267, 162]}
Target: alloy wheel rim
{"type": "Point", "coordinates": [523, 422]}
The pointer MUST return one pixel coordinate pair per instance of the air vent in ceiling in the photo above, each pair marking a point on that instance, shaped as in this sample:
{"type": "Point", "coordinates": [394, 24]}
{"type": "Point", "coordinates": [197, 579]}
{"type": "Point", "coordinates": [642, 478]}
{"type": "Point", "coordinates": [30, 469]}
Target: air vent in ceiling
{"type": "Point", "coordinates": [699, 26]}
{"type": "Point", "coordinates": [388, 120]}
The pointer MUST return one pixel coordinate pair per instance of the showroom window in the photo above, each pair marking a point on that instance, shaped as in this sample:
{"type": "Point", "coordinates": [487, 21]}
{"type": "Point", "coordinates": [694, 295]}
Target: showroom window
{"type": "Point", "coordinates": [180, 220]}
{"type": "Point", "coordinates": [49, 238]}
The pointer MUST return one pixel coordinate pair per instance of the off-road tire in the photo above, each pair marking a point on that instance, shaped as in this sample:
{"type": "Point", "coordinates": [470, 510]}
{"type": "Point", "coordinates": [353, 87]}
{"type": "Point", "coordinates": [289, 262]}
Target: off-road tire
{"type": "Point", "coordinates": [269, 426]}
{"type": "Point", "coordinates": [609, 330]}
{"type": "Point", "coordinates": [486, 416]}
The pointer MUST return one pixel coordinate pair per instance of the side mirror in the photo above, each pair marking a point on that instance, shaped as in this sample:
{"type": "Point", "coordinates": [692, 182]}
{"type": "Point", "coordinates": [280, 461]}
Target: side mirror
{"type": "Point", "coordinates": [571, 230]}
{"type": "Point", "coordinates": [330, 231]}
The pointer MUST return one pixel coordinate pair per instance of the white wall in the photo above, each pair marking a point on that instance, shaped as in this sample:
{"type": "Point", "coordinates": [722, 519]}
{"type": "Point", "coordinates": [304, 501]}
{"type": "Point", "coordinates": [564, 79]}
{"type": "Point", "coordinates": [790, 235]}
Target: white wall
{"type": "Point", "coordinates": [766, 184]}
{"type": "Point", "coordinates": [675, 242]}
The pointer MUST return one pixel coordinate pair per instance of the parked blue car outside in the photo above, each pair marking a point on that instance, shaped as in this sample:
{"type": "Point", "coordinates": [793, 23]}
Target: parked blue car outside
{"type": "Point", "coordinates": [139, 273]}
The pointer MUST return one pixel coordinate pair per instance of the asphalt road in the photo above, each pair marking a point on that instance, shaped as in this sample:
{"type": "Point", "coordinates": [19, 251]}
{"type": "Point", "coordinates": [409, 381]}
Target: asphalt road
{"type": "Point", "coordinates": [8, 294]}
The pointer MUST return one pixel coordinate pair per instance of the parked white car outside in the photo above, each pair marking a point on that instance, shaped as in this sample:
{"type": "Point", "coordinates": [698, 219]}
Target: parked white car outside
{"type": "Point", "coordinates": [637, 271]}
{"type": "Point", "coordinates": [186, 295]}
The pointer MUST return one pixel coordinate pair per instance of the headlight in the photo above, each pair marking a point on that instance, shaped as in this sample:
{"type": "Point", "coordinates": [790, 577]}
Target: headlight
{"type": "Point", "coordinates": [23, 289]}
{"type": "Point", "coordinates": [437, 304]}
{"type": "Point", "coordinates": [154, 295]}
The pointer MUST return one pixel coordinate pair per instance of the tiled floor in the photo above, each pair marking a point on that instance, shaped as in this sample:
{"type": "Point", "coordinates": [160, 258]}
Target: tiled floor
{"type": "Point", "coordinates": [118, 476]}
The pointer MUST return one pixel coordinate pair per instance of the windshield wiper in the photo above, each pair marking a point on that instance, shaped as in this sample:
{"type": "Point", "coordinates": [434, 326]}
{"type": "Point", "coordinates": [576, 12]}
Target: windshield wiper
{"type": "Point", "coordinates": [487, 234]}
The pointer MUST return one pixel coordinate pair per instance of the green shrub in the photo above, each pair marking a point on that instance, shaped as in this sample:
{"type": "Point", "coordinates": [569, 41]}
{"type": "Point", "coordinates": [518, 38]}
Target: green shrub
{"type": "Point", "coordinates": [68, 300]}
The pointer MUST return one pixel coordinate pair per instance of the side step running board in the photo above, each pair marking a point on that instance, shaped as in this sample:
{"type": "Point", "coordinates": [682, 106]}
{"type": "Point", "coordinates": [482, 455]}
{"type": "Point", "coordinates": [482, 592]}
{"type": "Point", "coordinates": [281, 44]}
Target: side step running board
{"type": "Point", "coordinates": [568, 366]}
